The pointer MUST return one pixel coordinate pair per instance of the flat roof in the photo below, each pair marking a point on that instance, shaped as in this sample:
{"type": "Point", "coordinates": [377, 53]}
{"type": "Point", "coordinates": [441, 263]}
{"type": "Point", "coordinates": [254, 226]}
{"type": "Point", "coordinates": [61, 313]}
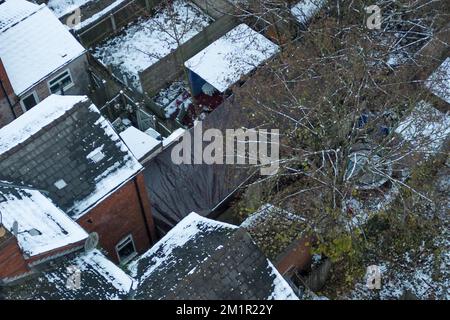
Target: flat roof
{"type": "Point", "coordinates": [232, 56]}
{"type": "Point", "coordinates": [42, 227]}
{"type": "Point", "coordinates": [139, 143]}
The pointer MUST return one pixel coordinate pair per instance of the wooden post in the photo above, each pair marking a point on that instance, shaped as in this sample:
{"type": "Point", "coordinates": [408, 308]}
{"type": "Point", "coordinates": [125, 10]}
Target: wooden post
{"type": "Point", "coordinates": [113, 23]}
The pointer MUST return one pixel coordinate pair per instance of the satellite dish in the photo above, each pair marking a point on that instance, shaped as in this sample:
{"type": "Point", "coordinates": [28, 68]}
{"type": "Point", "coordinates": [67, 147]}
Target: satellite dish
{"type": "Point", "coordinates": [91, 242]}
{"type": "Point", "coordinates": [2, 231]}
{"type": "Point", "coordinates": [15, 228]}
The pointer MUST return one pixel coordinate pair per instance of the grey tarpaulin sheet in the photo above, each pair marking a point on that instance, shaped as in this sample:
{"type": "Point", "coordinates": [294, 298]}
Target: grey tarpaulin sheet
{"type": "Point", "coordinates": [177, 190]}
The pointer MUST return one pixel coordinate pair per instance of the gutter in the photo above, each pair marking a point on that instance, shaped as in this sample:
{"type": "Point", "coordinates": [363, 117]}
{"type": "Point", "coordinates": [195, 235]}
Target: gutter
{"type": "Point", "coordinates": [46, 77]}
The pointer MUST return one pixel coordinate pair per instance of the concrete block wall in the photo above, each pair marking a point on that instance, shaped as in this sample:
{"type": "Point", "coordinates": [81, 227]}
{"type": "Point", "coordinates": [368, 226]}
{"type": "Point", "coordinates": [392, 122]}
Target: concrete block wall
{"type": "Point", "coordinates": [170, 67]}
{"type": "Point", "coordinates": [112, 23]}
{"type": "Point", "coordinates": [214, 8]}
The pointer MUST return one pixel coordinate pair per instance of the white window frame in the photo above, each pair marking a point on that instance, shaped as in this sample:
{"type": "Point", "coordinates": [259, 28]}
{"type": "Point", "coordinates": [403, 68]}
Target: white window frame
{"type": "Point", "coordinates": [72, 84]}
{"type": "Point", "coordinates": [22, 105]}
{"type": "Point", "coordinates": [122, 243]}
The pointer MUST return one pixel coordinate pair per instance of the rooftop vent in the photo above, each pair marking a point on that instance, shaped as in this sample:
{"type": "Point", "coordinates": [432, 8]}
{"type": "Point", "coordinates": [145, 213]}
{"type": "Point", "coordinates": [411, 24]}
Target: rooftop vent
{"type": "Point", "coordinates": [97, 155]}
{"type": "Point", "coordinates": [60, 184]}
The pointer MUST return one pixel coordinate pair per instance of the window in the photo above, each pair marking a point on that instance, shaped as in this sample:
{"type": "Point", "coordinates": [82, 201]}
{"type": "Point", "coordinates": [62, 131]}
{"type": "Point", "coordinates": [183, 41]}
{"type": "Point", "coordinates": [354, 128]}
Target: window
{"type": "Point", "coordinates": [29, 101]}
{"type": "Point", "coordinates": [125, 250]}
{"type": "Point", "coordinates": [61, 83]}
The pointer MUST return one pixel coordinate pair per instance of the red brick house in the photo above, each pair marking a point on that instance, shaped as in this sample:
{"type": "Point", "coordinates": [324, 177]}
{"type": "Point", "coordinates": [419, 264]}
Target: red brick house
{"type": "Point", "coordinates": [67, 149]}
{"type": "Point", "coordinates": [8, 99]}
{"type": "Point", "coordinates": [34, 231]}
{"type": "Point", "coordinates": [39, 57]}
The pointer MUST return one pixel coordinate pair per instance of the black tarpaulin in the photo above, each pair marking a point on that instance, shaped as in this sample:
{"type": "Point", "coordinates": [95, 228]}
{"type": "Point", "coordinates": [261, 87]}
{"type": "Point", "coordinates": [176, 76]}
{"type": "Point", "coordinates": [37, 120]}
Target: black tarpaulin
{"type": "Point", "coordinates": [177, 190]}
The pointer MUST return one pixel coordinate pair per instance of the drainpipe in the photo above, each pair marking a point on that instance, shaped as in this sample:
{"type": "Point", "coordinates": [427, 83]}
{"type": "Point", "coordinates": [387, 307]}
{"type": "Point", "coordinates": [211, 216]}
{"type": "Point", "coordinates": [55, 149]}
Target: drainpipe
{"type": "Point", "coordinates": [11, 106]}
{"type": "Point", "coordinates": [150, 235]}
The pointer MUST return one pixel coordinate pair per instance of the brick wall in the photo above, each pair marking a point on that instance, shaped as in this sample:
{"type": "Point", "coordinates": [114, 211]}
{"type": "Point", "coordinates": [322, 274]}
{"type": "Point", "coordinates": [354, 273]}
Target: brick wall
{"type": "Point", "coordinates": [297, 256]}
{"type": "Point", "coordinates": [125, 212]}
{"type": "Point", "coordinates": [12, 263]}
{"type": "Point", "coordinates": [6, 114]}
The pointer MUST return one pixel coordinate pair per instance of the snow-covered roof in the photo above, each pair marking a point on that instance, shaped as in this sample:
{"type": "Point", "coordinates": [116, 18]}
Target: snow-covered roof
{"type": "Point", "coordinates": [34, 120]}
{"type": "Point", "coordinates": [232, 56]}
{"type": "Point", "coordinates": [426, 128]}
{"type": "Point", "coordinates": [140, 143]}
{"type": "Point", "coordinates": [65, 146]}
{"type": "Point", "coordinates": [99, 279]}
{"type": "Point", "coordinates": [35, 45]}
{"type": "Point", "coordinates": [439, 81]}
{"type": "Point", "coordinates": [12, 11]}
{"type": "Point", "coordinates": [42, 227]}
{"type": "Point", "coordinates": [304, 10]}
{"type": "Point", "coordinates": [205, 259]}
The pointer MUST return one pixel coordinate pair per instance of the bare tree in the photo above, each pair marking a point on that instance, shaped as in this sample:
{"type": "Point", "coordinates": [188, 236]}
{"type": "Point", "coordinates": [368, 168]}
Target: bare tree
{"type": "Point", "coordinates": [338, 100]}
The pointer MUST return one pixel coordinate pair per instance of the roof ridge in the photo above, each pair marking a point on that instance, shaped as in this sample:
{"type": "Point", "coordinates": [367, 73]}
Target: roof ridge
{"type": "Point", "coordinates": [51, 124]}
{"type": "Point", "coordinates": [39, 8]}
{"type": "Point", "coordinates": [7, 184]}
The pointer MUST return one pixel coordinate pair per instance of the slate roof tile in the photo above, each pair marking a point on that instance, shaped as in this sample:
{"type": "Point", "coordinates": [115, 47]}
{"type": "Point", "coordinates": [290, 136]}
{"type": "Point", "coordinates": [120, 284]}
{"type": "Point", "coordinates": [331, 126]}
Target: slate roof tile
{"type": "Point", "coordinates": [59, 150]}
{"type": "Point", "coordinates": [205, 259]}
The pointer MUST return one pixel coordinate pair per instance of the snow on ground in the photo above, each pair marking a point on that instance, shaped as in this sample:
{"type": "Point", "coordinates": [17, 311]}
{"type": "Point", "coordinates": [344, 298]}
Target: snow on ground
{"type": "Point", "coordinates": [142, 44]}
{"type": "Point", "coordinates": [424, 272]}
{"type": "Point", "coordinates": [418, 274]}
{"type": "Point", "coordinates": [232, 56]}
{"type": "Point", "coordinates": [63, 7]}
{"type": "Point", "coordinates": [362, 209]}
{"type": "Point", "coordinates": [174, 98]}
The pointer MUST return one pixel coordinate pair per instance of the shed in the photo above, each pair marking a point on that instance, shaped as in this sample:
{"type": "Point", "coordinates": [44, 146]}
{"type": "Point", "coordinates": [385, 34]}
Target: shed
{"type": "Point", "coordinates": [230, 58]}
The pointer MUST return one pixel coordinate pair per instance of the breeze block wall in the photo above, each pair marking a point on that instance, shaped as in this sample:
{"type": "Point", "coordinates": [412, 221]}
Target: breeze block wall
{"type": "Point", "coordinates": [125, 212]}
